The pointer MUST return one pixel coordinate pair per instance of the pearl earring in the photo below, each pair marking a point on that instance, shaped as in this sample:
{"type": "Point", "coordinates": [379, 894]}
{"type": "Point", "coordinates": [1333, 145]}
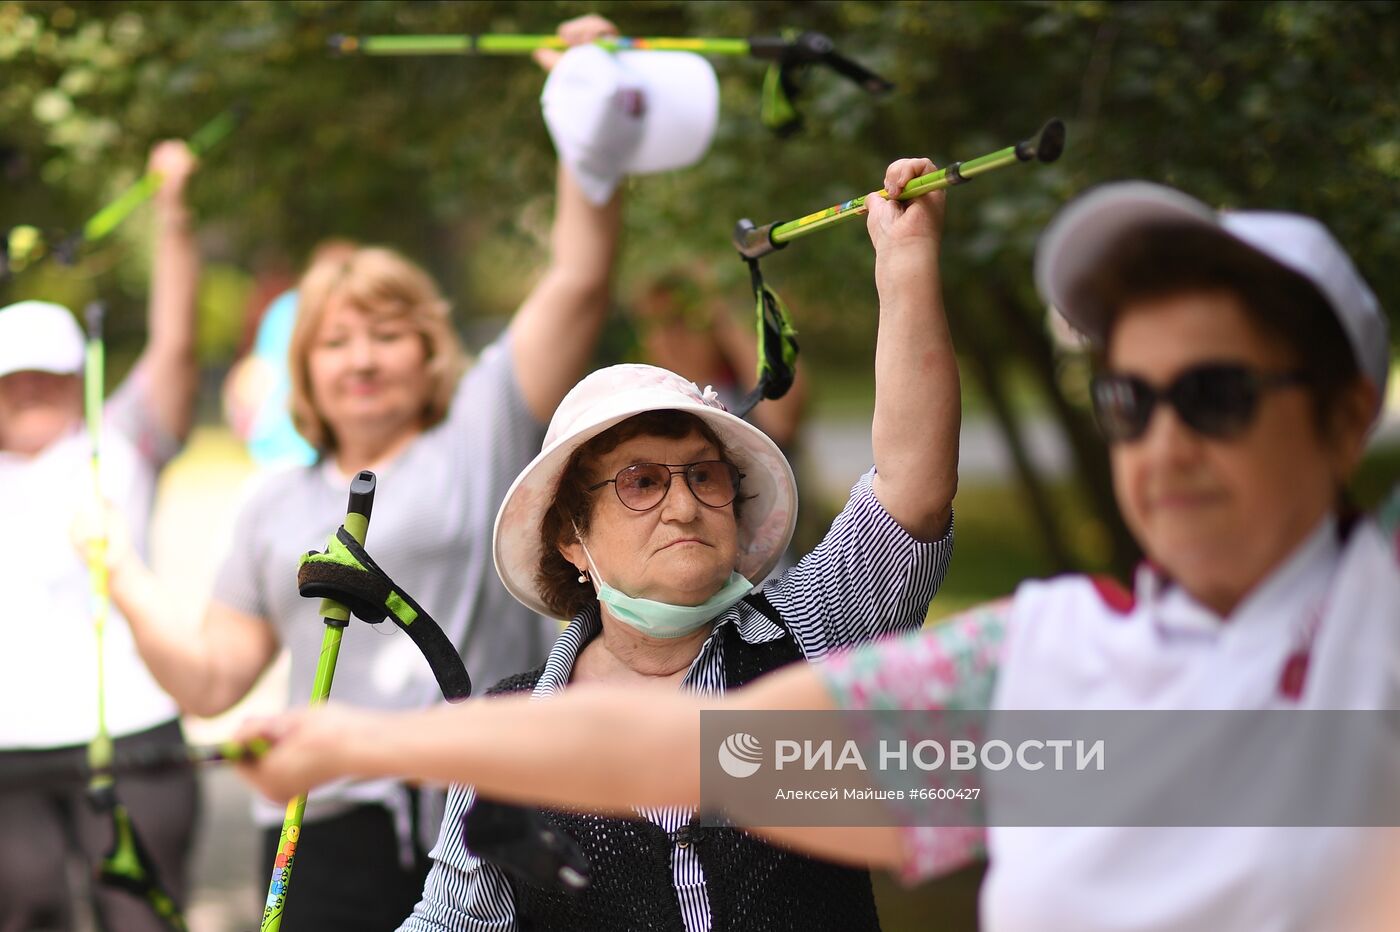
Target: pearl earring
{"type": "Point", "coordinates": [583, 576]}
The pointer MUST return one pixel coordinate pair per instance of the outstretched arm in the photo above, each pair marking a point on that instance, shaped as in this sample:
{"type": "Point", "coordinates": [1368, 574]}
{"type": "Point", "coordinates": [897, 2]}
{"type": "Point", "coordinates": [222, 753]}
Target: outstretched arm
{"type": "Point", "coordinates": [918, 409]}
{"type": "Point", "coordinates": [168, 363]}
{"type": "Point", "coordinates": [554, 331]}
{"type": "Point", "coordinates": [640, 746]}
{"type": "Point", "coordinates": [620, 749]}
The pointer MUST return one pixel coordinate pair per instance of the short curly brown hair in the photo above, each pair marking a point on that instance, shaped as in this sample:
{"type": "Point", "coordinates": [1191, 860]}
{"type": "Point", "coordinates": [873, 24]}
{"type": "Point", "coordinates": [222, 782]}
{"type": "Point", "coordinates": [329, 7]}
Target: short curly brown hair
{"type": "Point", "coordinates": [557, 577]}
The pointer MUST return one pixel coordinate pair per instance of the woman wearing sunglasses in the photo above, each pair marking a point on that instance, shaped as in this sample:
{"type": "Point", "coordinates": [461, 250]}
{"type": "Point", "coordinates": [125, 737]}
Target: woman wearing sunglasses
{"type": "Point", "coordinates": [1242, 361]}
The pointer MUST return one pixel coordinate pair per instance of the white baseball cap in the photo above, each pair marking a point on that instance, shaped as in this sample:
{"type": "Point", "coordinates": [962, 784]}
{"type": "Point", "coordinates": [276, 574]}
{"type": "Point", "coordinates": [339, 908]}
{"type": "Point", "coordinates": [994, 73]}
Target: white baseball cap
{"type": "Point", "coordinates": [39, 336]}
{"type": "Point", "coordinates": [629, 113]}
{"type": "Point", "coordinates": [606, 398]}
{"type": "Point", "coordinates": [1081, 234]}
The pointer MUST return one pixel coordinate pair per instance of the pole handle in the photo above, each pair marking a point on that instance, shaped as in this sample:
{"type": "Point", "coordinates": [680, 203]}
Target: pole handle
{"type": "Point", "coordinates": [357, 513]}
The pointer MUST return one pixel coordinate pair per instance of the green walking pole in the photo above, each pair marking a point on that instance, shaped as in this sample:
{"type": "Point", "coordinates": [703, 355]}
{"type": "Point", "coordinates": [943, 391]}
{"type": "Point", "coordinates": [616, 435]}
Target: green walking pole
{"type": "Point", "coordinates": [788, 55]}
{"type": "Point", "coordinates": [755, 242]}
{"type": "Point", "coordinates": [110, 217]}
{"type": "Point", "coordinates": [336, 617]}
{"type": "Point", "coordinates": [94, 373]}
{"type": "Point", "coordinates": [135, 762]}
{"type": "Point", "coordinates": [777, 338]}
{"type": "Point", "coordinates": [25, 245]}
{"type": "Point", "coordinates": [510, 44]}
{"type": "Point", "coordinates": [127, 865]}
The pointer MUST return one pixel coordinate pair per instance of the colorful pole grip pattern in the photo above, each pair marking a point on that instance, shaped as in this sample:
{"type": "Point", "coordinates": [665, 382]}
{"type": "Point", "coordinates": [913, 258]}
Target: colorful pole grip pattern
{"type": "Point", "coordinates": [282, 865]}
{"type": "Point", "coordinates": [924, 184]}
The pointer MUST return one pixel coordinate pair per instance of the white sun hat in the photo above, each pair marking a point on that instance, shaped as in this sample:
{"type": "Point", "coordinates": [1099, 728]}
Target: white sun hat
{"type": "Point", "coordinates": [629, 113]}
{"type": "Point", "coordinates": [39, 336]}
{"type": "Point", "coordinates": [606, 398]}
{"type": "Point", "coordinates": [1081, 234]}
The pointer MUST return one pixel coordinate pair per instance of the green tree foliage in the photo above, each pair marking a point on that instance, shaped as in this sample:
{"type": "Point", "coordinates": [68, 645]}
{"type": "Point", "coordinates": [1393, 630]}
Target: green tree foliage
{"type": "Point", "coordinates": [1289, 105]}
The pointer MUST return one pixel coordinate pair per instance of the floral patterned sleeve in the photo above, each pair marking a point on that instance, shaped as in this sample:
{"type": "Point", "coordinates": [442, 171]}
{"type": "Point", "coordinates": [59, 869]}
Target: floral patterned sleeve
{"type": "Point", "coordinates": [951, 665]}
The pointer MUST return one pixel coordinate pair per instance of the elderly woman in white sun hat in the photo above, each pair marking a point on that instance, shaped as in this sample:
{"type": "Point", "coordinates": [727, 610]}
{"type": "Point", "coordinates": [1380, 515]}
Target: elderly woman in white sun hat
{"type": "Point", "coordinates": [646, 519]}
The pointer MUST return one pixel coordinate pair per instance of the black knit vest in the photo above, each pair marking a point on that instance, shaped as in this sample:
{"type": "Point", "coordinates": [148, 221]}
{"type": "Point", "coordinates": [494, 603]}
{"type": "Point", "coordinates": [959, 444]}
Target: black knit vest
{"type": "Point", "coordinates": [750, 885]}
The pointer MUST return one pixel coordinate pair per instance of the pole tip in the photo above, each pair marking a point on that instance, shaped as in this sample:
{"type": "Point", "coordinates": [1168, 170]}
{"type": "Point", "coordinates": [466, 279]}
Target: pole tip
{"type": "Point", "coordinates": [1051, 143]}
{"type": "Point", "coordinates": [1046, 146]}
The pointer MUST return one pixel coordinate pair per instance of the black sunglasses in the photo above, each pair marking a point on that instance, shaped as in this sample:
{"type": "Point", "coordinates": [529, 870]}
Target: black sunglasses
{"type": "Point", "coordinates": [642, 486]}
{"type": "Point", "coordinates": [1216, 400]}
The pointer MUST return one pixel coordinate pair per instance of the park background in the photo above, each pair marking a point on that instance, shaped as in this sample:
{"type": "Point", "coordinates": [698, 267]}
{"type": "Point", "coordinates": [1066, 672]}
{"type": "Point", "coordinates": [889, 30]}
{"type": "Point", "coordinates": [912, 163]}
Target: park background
{"type": "Point", "coordinates": [1279, 105]}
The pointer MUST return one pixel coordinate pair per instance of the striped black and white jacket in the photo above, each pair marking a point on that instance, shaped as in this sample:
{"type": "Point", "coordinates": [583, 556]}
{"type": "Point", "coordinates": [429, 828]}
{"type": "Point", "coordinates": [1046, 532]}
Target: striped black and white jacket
{"type": "Point", "coordinates": [867, 578]}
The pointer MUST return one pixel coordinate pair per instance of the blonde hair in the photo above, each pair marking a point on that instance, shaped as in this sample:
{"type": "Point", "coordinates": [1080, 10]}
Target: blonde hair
{"type": "Point", "coordinates": [374, 280]}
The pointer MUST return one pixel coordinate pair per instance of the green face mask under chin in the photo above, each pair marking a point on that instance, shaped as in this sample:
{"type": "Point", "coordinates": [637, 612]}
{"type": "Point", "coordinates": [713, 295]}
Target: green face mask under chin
{"type": "Point", "coordinates": [662, 619]}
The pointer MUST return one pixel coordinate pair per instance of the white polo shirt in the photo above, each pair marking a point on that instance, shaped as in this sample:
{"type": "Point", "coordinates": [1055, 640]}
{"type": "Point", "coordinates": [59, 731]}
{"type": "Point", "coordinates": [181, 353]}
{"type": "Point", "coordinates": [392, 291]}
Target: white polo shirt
{"type": "Point", "coordinates": [48, 656]}
{"type": "Point", "coordinates": [1071, 645]}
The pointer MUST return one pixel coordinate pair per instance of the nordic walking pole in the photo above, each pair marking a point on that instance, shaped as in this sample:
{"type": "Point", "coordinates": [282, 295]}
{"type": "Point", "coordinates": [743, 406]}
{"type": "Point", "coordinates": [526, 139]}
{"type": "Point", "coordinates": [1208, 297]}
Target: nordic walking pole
{"type": "Point", "coordinates": [1045, 146]}
{"type": "Point", "coordinates": [135, 762]}
{"type": "Point", "coordinates": [126, 865]}
{"type": "Point", "coordinates": [789, 50]}
{"type": "Point", "coordinates": [108, 218]}
{"type": "Point", "coordinates": [25, 245]}
{"type": "Point", "coordinates": [509, 44]}
{"type": "Point", "coordinates": [788, 56]}
{"type": "Point", "coordinates": [99, 752]}
{"type": "Point", "coordinates": [777, 338]}
{"type": "Point", "coordinates": [336, 617]}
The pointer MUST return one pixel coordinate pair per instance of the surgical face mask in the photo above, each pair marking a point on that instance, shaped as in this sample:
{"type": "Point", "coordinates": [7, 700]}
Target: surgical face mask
{"type": "Point", "coordinates": [662, 619]}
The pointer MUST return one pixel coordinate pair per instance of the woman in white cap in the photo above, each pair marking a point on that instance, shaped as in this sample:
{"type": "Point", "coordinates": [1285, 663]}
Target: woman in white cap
{"type": "Point", "coordinates": [1242, 361]}
{"type": "Point", "coordinates": [647, 518]}
{"type": "Point", "coordinates": [49, 650]}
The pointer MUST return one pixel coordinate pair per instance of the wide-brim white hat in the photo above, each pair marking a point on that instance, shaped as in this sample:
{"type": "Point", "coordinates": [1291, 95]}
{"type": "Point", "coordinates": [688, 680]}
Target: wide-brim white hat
{"type": "Point", "coordinates": [606, 398]}
{"type": "Point", "coordinates": [1081, 234]}
{"type": "Point", "coordinates": [629, 113]}
{"type": "Point", "coordinates": [39, 336]}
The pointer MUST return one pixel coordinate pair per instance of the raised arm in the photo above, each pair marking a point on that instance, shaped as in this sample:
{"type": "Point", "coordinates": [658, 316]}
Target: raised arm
{"type": "Point", "coordinates": [168, 362]}
{"type": "Point", "coordinates": [918, 409]}
{"type": "Point", "coordinates": [554, 331]}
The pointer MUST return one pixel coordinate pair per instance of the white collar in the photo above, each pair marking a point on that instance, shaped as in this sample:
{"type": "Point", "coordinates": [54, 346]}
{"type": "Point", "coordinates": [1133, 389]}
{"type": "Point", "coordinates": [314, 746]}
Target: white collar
{"type": "Point", "coordinates": [1297, 584]}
